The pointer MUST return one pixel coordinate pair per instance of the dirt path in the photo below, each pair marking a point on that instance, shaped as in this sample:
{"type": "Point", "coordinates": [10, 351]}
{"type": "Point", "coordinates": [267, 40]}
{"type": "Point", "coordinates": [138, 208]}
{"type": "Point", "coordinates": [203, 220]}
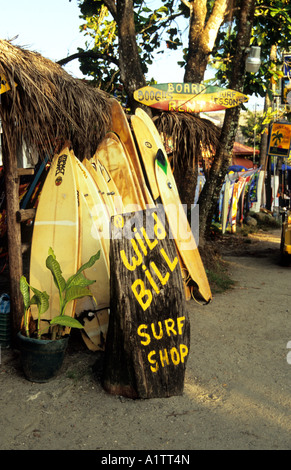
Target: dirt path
{"type": "Point", "coordinates": [237, 387]}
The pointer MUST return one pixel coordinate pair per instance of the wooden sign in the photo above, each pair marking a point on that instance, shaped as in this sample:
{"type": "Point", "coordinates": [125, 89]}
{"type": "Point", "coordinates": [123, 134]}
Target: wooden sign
{"type": "Point", "coordinates": [188, 97]}
{"type": "Point", "coordinates": [148, 337]}
{"type": "Point", "coordinates": [280, 140]}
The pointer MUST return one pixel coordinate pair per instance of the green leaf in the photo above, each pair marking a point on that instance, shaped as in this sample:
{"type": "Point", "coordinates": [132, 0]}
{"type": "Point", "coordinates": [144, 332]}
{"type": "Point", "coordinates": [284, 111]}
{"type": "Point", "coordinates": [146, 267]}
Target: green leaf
{"type": "Point", "coordinates": [53, 265]}
{"type": "Point", "coordinates": [87, 265]}
{"type": "Point", "coordinates": [65, 320]}
{"type": "Point", "coordinates": [79, 280]}
{"type": "Point", "coordinates": [76, 292]}
{"type": "Point", "coordinates": [41, 299]}
{"type": "Point", "coordinates": [24, 289]}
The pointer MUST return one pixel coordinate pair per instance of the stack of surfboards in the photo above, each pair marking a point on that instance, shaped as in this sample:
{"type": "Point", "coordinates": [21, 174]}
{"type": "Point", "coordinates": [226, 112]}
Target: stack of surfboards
{"type": "Point", "coordinates": [129, 171]}
{"type": "Point", "coordinates": [73, 219]}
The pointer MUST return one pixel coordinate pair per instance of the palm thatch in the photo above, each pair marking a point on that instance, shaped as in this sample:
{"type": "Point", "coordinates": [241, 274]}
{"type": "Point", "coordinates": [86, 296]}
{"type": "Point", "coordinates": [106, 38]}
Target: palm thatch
{"type": "Point", "coordinates": [47, 104]}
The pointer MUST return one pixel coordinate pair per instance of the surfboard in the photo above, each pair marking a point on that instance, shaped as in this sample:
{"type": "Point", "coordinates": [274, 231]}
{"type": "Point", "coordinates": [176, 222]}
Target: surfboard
{"type": "Point", "coordinates": [150, 124]}
{"type": "Point", "coordinates": [225, 205]}
{"type": "Point", "coordinates": [112, 155]}
{"type": "Point", "coordinates": [148, 150]}
{"type": "Point", "coordinates": [144, 130]}
{"type": "Point", "coordinates": [113, 190]}
{"type": "Point", "coordinates": [101, 185]}
{"type": "Point", "coordinates": [238, 186]}
{"type": "Point", "coordinates": [121, 127]}
{"type": "Point", "coordinates": [259, 183]}
{"type": "Point", "coordinates": [164, 190]}
{"type": "Point", "coordinates": [55, 225]}
{"type": "Point", "coordinates": [180, 227]}
{"type": "Point", "coordinates": [94, 236]}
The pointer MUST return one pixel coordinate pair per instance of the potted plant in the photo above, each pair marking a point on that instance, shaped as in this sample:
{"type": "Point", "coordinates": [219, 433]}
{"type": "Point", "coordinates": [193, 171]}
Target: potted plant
{"type": "Point", "coordinates": [43, 349]}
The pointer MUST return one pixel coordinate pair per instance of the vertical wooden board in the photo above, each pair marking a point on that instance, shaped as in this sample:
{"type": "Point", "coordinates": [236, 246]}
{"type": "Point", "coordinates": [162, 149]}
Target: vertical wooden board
{"type": "Point", "coordinates": [56, 226]}
{"type": "Point", "coordinates": [148, 338]}
{"type": "Point", "coordinates": [13, 231]}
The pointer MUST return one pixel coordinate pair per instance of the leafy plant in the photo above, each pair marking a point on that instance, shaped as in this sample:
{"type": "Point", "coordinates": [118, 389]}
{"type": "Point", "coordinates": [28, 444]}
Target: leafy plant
{"type": "Point", "coordinates": [75, 287]}
{"type": "Point", "coordinates": [41, 299]}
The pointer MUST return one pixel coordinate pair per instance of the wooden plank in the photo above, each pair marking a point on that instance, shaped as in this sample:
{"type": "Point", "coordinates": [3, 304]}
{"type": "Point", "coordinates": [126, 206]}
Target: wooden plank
{"type": "Point", "coordinates": [25, 214]}
{"type": "Point", "coordinates": [148, 337]}
{"type": "Point", "coordinates": [25, 171]}
{"type": "Point", "coordinates": [13, 234]}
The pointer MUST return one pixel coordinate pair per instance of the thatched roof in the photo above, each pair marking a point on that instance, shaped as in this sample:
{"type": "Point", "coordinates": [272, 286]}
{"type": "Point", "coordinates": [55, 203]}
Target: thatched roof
{"type": "Point", "coordinates": [48, 104]}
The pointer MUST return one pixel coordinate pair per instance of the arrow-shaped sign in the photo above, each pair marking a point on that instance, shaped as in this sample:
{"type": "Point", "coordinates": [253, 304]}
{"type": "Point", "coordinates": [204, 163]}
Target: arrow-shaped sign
{"type": "Point", "coordinates": [4, 85]}
{"type": "Point", "coordinates": [188, 97]}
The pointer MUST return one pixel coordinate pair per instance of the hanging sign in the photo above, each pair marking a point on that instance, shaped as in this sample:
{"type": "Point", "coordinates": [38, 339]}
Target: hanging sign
{"type": "Point", "coordinates": [188, 97]}
{"type": "Point", "coordinates": [280, 139]}
{"type": "Point", "coordinates": [287, 65]}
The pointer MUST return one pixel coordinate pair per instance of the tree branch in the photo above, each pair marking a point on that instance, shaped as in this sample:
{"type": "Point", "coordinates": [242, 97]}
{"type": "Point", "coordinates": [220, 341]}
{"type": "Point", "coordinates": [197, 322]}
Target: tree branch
{"type": "Point", "coordinates": [111, 7]}
{"type": "Point", "coordinates": [188, 4]}
{"type": "Point", "coordinates": [88, 54]}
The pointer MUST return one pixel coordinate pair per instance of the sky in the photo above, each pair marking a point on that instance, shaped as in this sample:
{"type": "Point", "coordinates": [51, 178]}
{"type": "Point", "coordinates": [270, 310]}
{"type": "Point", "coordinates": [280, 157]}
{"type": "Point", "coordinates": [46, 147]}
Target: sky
{"type": "Point", "coordinates": [51, 27]}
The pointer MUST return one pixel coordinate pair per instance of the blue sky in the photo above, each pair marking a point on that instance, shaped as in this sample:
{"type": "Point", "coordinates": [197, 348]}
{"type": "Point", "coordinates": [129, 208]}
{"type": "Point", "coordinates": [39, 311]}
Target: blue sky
{"type": "Point", "coordinates": [51, 27]}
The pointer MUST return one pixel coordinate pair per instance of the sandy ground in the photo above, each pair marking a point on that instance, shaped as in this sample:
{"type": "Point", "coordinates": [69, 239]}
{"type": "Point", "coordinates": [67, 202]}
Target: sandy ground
{"type": "Point", "coordinates": [237, 385]}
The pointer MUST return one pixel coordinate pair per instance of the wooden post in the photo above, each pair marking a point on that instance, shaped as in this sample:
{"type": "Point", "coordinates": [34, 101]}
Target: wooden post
{"type": "Point", "coordinates": [13, 233]}
{"type": "Point", "coordinates": [148, 337]}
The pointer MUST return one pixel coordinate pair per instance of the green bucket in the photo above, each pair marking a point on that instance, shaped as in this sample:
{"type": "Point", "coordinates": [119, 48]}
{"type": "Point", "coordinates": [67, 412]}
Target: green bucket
{"type": "Point", "coordinates": [5, 321]}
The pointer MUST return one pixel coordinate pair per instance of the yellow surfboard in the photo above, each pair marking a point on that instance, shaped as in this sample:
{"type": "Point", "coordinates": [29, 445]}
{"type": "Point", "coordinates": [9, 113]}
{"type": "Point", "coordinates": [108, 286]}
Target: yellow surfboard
{"type": "Point", "coordinates": [101, 184]}
{"type": "Point", "coordinates": [121, 127]}
{"type": "Point", "coordinates": [94, 236]}
{"type": "Point", "coordinates": [113, 190]}
{"type": "Point", "coordinates": [180, 227]}
{"type": "Point", "coordinates": [112, 155]}
{"type": "Point", "coordinates": [150, 125]}
{"type": "Point", "coordinates": [164, 190]}
{"type": "Point", "coordinates": [144, 136]}
{"type": "Point", "coordinates": [56, 225]}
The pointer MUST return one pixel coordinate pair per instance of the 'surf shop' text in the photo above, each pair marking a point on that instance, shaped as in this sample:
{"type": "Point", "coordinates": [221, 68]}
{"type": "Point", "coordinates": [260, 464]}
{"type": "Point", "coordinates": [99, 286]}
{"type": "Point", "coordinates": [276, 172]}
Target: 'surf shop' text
{"type": "Point", "coordinates": [163, 357]}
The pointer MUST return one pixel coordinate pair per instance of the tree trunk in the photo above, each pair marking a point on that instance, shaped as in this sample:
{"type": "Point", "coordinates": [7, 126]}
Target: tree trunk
{"type": "Point", "coordinates": [13, 232]}
{"type": "Point", "coordinates": [265, 162]}
{"type": "Point", "coordinates": [202, 37]}
{"type": "Point", "coordinates": [129, 61]}
{"type": "Point", "coordinates": [210, 193]}
{"type": "Point", "coordinates": [186, 179]}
